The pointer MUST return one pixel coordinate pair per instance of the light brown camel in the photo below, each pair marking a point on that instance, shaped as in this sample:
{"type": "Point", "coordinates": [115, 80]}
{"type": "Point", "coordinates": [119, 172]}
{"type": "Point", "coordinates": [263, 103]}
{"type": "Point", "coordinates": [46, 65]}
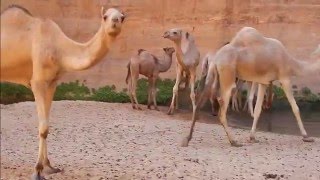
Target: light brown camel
{"type": "Point", "coordinates": [35, 53]}
{"type": "Point", "coordinates": [150, 66]}
{"type": "Point", "coordinates": [252, 57]}
{"type": "Point", "coordinates": [188, 59]}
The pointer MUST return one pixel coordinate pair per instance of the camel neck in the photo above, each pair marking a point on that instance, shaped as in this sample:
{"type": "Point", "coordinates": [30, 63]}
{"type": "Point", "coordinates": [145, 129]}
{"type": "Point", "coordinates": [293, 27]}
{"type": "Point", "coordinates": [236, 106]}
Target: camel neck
{"type": "Point", "coordinates": [301, 67]}
{"type": "Point", "coordinates": [179, 54]}
{"type": "Point", "coordinates": [86, 55]}
{"type": "Point", "coordinates": [165, 64]}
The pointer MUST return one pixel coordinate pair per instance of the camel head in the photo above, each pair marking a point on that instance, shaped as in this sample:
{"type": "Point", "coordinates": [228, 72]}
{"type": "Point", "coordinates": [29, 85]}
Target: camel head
{"type": "Point", "coordinates": [169, 50]}
{"type": "Point", "coordinates": [112, 20]}
{"type": "Point", "coordinates": [173, 34]}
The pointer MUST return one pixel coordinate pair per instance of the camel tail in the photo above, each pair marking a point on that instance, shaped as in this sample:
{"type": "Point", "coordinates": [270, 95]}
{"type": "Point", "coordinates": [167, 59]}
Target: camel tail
{"type": "Point", "coordinates": [128, 73]}
{"type": "Point", "coordinates": [211, 86]}
{"type": "Point", "coordinates": [204, 73]}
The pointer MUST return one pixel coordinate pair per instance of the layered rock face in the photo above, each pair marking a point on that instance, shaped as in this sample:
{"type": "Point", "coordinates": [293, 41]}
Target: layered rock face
{"type": "Point", "coordinates": [213, 22]}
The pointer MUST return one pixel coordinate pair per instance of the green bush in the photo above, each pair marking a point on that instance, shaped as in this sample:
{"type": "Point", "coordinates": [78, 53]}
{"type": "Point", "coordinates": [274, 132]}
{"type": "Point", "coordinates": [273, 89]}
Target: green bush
{"type": "Point", "coordinates": [142, 91]}
{"type": "Point", "coordinates": [164, 91]}
{"type": "Point", "coordinates": [72, 91]}
{"type": "Point", "coordinates": [278, 92]}
{"type": "Point", "coordinates": [164, 94]}
{"type": "Point", "coordinates": [12, 93]}
{"type": "Point", "coordinates": [307, 95]}
{"type": "Point", "coordinates": [108, 94]}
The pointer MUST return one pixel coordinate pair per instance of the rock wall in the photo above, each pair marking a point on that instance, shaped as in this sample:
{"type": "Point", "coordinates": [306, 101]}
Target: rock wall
{"type": "Point", "coordinates": [213, 22]}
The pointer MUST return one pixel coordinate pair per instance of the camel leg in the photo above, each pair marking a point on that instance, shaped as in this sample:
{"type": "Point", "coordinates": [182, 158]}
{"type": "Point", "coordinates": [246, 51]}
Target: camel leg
{"type": "Point", "coordinates": [226, 83]}
{"type": "Point", "coordinates": [192, 94]}
{"type": "Point", "coordinates": [186, 140]}
{"type": "Point", "coordinates": [134, 89]}
{"type": "Point", "coordinates": [235, 106]}
{"type": "Point", "coordinates": [175, 91]}
{"type": "Point", "coordinates": [154, 92]}
{"type": "Point", "coordinates": [286, 85]}
{"type": "Point", "coordinates": [150, 86]}
{"type": "Point", "coordinates": [214, 106]}
{"type": "Point", "coordinates": [43, 94]}
{"type": "Point", "coordinates": [251, 96]}
{"type": "Point", "coordinates": [245, 107]}
{"type": "Point", "coordinates": [186, 85]}
{"type": "Point", "coordinates": [130, 94]}
{"type": "Point", "coordinates": [49, 97]}
{"type": "Point", "coordinates": [257, 111]}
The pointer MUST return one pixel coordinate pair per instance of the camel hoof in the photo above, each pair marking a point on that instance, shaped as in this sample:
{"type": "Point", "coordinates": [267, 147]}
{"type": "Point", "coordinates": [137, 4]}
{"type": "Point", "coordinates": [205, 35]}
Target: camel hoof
{"type": "Point", "coordinates": [170, 112]}
{"type": "Point", "coordinates": [307, 139]}
{"type": "Point", "coordinates": [253, 139]}
{"type": "Point", "coordinates": [133, 107]}
{"type": "Point", "coordinates": [236, 144]}
{"type": "Point", "coordinates": [185, 142]}
{"type": "Point", "coordinates": [37, 176]}
{"type": "Point", "coordinates": [149, 107]}
{"type": "Point", "coordinates": [51, 170]}
{"type": "Point", "coordinates": [214, 114]}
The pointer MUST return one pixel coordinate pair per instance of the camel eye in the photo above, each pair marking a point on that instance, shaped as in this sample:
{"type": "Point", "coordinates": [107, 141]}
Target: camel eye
{"type": "Point", "coordinates": [175, 33]}
{"type": "Point", "coordinates": [105, 18]}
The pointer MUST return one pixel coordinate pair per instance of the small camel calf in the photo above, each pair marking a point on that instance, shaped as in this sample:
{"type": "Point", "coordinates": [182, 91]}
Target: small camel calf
{"type": "Point", "coordinates": [150, 66]}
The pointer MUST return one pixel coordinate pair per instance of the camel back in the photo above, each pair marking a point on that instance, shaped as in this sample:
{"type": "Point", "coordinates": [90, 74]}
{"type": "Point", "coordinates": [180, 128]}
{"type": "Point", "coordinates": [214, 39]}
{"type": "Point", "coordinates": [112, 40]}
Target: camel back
{"type": "Point", "coordinates": [14, 6]}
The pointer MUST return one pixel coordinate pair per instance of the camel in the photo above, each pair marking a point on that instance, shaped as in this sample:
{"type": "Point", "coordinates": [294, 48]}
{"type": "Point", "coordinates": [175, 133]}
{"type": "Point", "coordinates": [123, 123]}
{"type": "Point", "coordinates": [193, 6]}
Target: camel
{"type": "Point", "coordinates": [252, 57]}
{"type": "Point", "coordinates": [188, 59]}
{"type": "Point", "coordinates": [150, 66]}
{"type": "Point", "coordinates": [35, 53]}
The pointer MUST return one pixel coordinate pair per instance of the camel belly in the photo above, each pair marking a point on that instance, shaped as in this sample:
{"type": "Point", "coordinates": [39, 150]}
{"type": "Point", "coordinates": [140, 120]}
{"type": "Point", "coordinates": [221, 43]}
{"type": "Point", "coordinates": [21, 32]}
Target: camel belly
{"type": "Point", "coordinates": [16, 62]}
{"type": "Point", "coordinates": [15, 69]}
{"type": "Point", "coordinates": [263, 73]}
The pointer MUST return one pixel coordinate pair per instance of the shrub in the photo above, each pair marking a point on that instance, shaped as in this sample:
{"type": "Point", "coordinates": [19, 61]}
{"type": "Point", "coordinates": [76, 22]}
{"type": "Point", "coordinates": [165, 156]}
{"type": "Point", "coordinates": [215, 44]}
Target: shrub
{"type": "Point", "coordinates": [142, 91]}
{"type": "Point", "coordinates": [72, 91]}
{"type": "Point", "coordinates": [12, 93]}
{"type": "Point", "coordinates": [278, 92]}
{"type": "Point", "coordinates": [108, 94]}
{"type": "Point", "coordinates": [164, 94]}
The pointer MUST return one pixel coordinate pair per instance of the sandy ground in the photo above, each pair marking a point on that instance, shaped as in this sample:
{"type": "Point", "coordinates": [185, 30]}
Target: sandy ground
{"type": "Point", "coordinates": [92, 140]}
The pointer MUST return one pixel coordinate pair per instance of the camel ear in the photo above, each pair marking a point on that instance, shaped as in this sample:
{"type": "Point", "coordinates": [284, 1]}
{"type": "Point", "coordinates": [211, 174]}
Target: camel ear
{"type": "Point", "coordinates": [102, 11]}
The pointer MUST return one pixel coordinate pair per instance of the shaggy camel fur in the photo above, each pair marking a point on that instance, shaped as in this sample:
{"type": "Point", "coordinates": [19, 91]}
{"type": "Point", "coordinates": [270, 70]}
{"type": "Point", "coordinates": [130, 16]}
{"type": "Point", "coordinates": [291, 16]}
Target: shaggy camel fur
{"type": "Point", "coordinates": [150, 66]}
{"type": "Point", "coordinates": [35, 53]}
{"type": "Point", "coordinates": [188, 59]}
{"type": "Point", "coordinates": [242, 58]}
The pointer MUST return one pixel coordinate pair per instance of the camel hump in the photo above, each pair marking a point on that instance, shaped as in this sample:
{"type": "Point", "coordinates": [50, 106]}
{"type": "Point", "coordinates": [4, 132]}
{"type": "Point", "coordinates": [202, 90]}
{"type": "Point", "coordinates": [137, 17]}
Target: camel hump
{"type": "Point", "coordinates": [15, 6]}
{"type": "Point", "coordinates": [248, 36]}
{"type": "Point", "coordinates": [140, 51]}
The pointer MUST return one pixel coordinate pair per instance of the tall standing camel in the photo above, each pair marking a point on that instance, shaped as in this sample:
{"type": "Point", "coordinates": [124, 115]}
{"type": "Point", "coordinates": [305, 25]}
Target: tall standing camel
{"type": "Point", "coordinates": [188, 59]}
{"type": "Point", "coordinates": [35, 53]}
{"type": "Point", "coordinates": [252, 57]}
{"type": "Point", "coordinates": [150, 66]}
